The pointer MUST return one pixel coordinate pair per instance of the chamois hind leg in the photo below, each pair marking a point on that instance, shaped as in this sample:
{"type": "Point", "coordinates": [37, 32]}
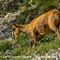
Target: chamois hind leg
{"type": "Point", "coordinates": [53, 27]}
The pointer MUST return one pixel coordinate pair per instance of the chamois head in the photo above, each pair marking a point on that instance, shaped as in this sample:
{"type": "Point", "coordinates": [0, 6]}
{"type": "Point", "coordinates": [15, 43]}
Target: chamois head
{"type": "Point", "coordinates": [17, 26]}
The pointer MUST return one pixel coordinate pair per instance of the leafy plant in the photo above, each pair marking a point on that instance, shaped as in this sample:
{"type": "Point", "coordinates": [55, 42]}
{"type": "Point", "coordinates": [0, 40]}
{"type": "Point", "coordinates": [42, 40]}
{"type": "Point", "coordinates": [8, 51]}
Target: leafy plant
{"type": "Point", "coordinates": [23, 39]}
{"type": "Point", "coordinates": [4, 45]}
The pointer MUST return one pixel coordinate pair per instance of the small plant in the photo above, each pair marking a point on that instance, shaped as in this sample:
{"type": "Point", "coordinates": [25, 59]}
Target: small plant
{"type": "Point", "coordinates": [4, 45]}
{"type": "Point", "coordinates": [23, 39]}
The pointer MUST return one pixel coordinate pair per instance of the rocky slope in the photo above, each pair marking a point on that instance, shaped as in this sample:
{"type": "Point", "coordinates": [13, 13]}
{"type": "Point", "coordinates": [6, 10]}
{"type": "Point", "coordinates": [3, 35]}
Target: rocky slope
{"type": "Point", "coordinates": [5, 30]}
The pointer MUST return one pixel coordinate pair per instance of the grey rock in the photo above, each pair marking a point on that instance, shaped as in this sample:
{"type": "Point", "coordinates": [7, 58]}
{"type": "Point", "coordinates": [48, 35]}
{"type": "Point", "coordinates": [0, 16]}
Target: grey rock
{"type": "Point", "coordinates": [5, 29]}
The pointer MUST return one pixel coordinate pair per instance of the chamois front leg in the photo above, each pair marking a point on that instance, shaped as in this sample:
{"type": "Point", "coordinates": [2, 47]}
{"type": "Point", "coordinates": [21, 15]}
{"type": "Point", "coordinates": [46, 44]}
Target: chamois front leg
{"type": "Point", "coordinates": [13, 37]}
{"type": "Point", "coordinates": [16, 34]}
{"type": "Point", "coordinates": [33, 41]}
{"type": "Point", "coordinates": [13, 34]}
{"type": "Point", "coordinates": [33, 38]}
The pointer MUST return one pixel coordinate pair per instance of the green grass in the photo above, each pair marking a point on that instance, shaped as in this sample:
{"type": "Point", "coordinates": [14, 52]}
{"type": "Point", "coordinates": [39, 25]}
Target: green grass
{"type": "Point", "coordinates": [21, 47]}
{"type": "Point", "coordinates": [45, 47]}
{"type": "Point", "coordinates": [4, 45]}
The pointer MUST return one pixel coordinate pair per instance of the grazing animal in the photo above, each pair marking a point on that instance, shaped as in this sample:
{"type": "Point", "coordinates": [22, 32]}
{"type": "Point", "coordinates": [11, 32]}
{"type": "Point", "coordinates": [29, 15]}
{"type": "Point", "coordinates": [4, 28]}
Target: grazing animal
{"type": "Point", "coordinates": [40, 26]}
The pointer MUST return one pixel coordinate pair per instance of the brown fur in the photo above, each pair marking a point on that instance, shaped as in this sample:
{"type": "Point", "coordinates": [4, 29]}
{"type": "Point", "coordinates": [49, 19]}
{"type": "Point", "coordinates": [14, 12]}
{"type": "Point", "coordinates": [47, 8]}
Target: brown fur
{"type": "Point", "coordinates": [40, 26]}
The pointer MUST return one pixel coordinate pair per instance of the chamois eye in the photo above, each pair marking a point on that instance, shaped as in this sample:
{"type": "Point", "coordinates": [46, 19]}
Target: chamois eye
{"type": "Point", "coordinates": [44, 26]}
{"type": "Point", "coordinates": [13, 29]}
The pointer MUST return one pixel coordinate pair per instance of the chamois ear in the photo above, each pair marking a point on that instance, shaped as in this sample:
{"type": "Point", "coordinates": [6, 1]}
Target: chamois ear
{"type": "Point", "coordinates": [13, 26]}
{"type": "Point", "coordinates": [58, 8]}
{"type": "Point", "coordinates": [16, 25]}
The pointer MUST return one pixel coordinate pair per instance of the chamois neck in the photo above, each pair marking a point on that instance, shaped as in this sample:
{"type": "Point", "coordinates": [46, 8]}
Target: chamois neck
{"type": "Point", "coordinates": [23, 28]}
